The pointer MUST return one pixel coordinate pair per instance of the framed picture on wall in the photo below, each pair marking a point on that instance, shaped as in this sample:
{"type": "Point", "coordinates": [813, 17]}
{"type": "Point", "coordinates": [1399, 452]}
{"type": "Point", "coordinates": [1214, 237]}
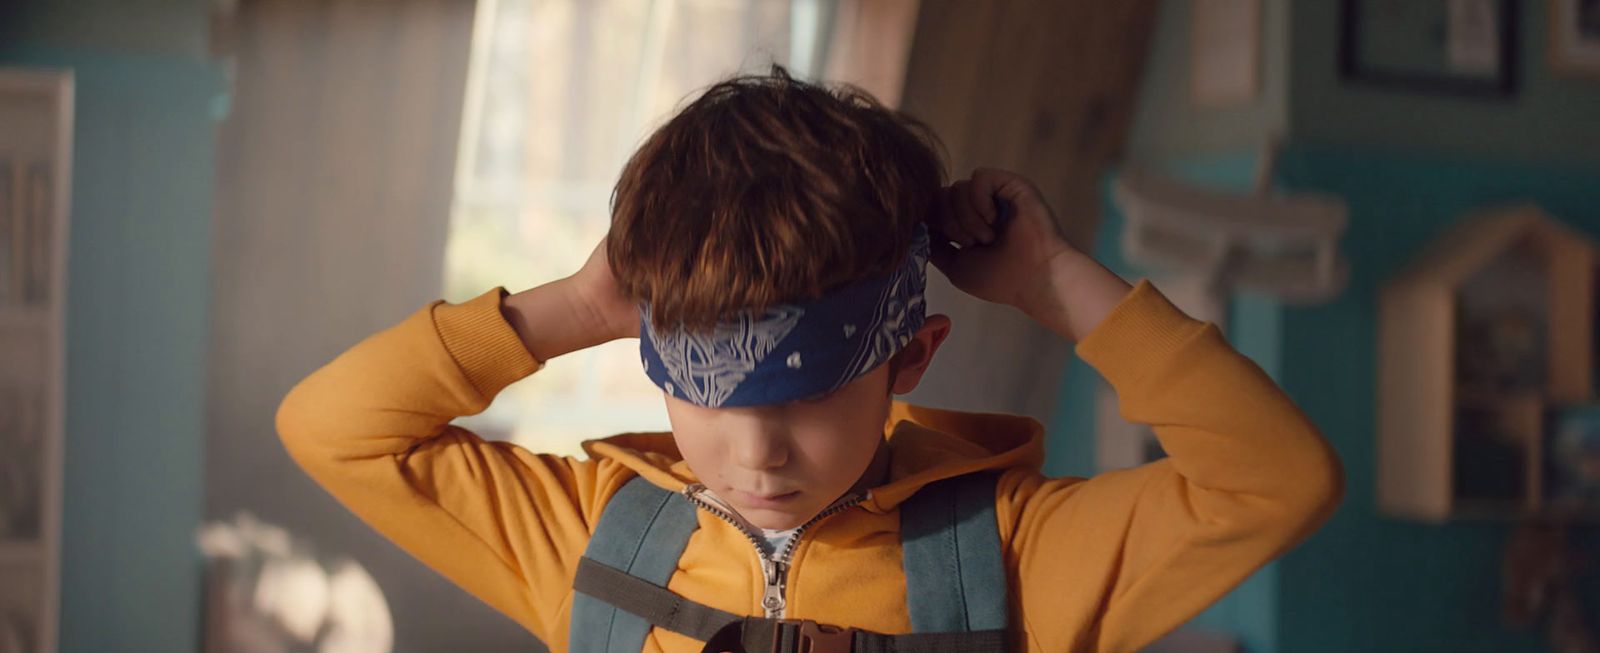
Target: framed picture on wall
{"type": "Point", "coordinates": [1452, 47]}
{"type": "Point", "coordinates": [1575, 37]}
{"type": "Point", "coordinates": [1224, 52]}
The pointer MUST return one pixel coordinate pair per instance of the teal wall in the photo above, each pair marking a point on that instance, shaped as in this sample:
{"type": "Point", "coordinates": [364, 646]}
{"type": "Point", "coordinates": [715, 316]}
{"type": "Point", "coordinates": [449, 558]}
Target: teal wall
{"type": "Point", "coordinates": [1552, 118]}
{"type": "Point", "coordinates": [1365, 582]}
{"type": "Point", "coordinates": [1409, 165]}
{"type": "Point", "coordinates": [136, 314]}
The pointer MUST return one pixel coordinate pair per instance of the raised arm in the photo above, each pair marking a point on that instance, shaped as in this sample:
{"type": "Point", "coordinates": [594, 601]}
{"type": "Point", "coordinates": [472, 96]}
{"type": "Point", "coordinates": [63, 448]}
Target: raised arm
{"type": "Point", "coordinates": [373, 428]}
{"type": "Point", "coordinates": [1139, 551]}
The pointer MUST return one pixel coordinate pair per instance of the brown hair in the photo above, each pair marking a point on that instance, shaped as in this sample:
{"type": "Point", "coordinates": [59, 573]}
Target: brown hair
{"type": "Point", "coordinates": [768, 190]}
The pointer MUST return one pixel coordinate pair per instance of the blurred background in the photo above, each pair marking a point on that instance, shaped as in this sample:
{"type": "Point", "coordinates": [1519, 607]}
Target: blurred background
{"type": "Point", "coordinates": [1390, 205]}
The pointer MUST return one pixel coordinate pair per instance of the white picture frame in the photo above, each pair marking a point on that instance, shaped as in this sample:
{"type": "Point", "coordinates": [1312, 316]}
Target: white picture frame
{"type": "Point", "coordinates": [1224, 53]}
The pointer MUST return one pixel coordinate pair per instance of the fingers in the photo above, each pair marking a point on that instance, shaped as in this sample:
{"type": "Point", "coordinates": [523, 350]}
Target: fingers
{"type": "Point", "coordinates": [946, 223]}
{"type": "Point", "coordinates": [967, 225]}
{"type": "Point", "coordinates": [969, 213]}
{"type": "Point", "coordinates": [975, 213]}
{"type": "Point", "coordinates": [943, 255]}
{"type": "Point", "coordinates": [1008, 186]}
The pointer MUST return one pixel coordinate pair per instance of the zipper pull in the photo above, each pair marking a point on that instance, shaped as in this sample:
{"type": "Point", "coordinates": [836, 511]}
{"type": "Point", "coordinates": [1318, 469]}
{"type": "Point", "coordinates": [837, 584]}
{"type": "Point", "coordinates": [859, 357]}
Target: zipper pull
{"type": "Point", "coordinates": [772, 600]}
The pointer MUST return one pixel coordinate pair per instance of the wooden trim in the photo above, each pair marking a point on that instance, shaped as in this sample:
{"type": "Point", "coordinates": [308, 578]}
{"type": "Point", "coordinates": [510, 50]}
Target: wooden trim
{"type": "Point", "coordinates": [1571, 299]}
{"type": "Point", "coordinates": [1415, 408]}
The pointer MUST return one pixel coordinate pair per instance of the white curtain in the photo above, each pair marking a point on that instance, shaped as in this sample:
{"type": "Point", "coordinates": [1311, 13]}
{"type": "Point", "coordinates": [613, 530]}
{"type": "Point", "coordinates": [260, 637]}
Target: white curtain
{"type": "Point", "coordinates": [332, 208]}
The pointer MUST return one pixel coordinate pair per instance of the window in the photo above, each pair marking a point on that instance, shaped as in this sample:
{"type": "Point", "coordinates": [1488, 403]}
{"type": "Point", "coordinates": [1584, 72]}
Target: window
{"type": "Point", "coordinates": [558, 95]}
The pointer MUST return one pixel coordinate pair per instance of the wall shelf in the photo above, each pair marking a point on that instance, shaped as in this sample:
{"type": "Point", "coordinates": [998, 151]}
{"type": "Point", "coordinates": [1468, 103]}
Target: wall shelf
{"type": "Point", "coordinates": [35, 171]}
{"type": "Point", "coordinates": [1484, 340]}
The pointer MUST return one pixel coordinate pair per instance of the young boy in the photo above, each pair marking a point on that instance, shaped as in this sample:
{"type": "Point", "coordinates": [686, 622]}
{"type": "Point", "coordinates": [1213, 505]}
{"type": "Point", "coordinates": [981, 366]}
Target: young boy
{"type": "Point", "coordinates": [768, 247]}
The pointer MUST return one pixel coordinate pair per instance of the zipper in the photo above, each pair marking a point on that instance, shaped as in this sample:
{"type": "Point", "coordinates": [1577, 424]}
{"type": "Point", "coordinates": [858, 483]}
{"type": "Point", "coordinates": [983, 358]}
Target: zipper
{"type": "Point", "coordinates": [774, 569]}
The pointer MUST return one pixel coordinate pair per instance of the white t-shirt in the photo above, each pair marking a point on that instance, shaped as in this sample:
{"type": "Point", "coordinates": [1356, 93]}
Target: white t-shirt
{"type": "Point", "coordinates": [776, 540]}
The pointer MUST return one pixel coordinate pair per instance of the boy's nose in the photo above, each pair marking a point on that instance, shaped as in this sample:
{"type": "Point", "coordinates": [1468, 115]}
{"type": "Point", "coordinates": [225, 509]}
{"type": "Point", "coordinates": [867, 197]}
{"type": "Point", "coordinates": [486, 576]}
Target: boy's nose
{"type": "Point", "coordinates": [760, 450]}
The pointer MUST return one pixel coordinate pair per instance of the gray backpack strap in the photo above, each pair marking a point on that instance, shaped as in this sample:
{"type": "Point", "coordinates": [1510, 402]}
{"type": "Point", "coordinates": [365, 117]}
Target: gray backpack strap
{"type": "Point", "coordinates": [642, 532]}
{"type": "Point", "coordinates": [950, 544]}
{"type": "Point", "coordinates": [724, 631]}
{"type": "Point", "coordinates": [658, 605]}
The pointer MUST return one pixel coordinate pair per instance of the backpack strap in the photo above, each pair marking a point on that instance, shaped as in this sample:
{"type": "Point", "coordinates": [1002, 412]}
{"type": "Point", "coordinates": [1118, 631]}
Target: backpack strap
{"type": "Point", "coordinates": [642, 532]}
{"type": "Point", "coordinates": [955, 580]}
{"type": "Point", "coordinates": [950, 546]}
{"type": "Point", "coordinates": [724, 631]}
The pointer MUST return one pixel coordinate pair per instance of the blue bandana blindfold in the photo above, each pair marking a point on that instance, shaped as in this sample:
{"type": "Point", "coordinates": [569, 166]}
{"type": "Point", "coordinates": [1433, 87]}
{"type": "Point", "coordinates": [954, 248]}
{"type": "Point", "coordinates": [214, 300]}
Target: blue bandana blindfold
{"type": "Point", "coordinates": [794, 351]}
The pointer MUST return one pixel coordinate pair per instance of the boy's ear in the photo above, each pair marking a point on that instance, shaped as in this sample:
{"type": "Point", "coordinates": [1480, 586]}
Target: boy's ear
{"type": "Point", "coordinates": [913, 360]}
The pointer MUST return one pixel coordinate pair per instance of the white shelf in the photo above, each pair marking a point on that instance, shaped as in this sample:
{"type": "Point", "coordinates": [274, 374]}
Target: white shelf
{"type": "Point", "coordinates": [14, 552]}
{"type": "Point", "coordinates": [37, 132]}
{"type": "Point", "coordinates": [24, 317]}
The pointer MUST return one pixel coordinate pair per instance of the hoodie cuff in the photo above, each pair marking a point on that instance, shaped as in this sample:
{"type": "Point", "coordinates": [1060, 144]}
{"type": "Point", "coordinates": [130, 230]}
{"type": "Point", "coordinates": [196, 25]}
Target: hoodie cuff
{"type": "Point", "coordinates": [1141, 335]}
{"type": "Point", "coordinates": [483, 344]}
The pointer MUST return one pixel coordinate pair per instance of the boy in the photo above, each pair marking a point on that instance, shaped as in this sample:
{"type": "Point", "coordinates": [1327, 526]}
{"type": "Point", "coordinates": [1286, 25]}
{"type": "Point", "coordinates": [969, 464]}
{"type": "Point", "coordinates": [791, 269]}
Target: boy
{"type": "Point", "coordinates": [768, 247]}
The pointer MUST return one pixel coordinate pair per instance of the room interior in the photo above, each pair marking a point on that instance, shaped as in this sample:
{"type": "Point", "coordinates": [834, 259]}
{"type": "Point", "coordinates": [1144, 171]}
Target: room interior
{"type": "Point", "coordinates": [1389, 207]}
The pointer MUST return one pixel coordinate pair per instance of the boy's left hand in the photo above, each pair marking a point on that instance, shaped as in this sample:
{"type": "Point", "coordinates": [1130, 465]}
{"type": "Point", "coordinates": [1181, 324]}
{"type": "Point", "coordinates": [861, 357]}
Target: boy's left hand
{"type": "Point", "coordinates": [1006, 262]}
{"type": "Point", "coordinates": [1023, 261]}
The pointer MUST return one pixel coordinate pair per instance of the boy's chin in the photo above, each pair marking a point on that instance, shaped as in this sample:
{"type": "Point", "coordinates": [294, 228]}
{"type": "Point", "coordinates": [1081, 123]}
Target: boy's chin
{"type": "Point", "coordinates": [773, 519]}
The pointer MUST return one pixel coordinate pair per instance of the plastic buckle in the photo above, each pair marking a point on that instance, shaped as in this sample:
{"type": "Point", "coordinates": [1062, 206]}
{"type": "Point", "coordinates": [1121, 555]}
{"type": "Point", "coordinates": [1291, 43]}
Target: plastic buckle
{"type": "Point", "coordinates": [812, 637]}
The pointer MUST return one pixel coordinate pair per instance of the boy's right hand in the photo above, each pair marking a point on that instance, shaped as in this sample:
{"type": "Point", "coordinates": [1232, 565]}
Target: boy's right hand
{"type": "Point", "coordinates": [577, 312]}
{"type": "Point", "coordinates": [609, 310]}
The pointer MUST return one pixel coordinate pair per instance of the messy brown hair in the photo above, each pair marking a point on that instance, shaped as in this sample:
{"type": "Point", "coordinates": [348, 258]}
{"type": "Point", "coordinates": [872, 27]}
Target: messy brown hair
{"type": "Point", "coordinates": [767, 190]}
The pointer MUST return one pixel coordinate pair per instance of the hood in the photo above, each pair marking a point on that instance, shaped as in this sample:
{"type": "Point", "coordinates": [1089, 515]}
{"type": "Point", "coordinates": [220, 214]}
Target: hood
{"type": "Point", "coordinates": [925, 445]}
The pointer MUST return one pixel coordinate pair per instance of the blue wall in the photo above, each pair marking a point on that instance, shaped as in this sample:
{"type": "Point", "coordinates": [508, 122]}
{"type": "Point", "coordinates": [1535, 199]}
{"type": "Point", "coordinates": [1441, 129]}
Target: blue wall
{"type": "Point", "coordinates": [1368, 583]}
{"type": "Point", "coordinates": [137, 315]}
{"type": "Point", "coordinates": [1410, 165]}
{"type": "Point", "coordinates": [1552, 118]}
{"type": "Point", "coordinates": [1364, 582]}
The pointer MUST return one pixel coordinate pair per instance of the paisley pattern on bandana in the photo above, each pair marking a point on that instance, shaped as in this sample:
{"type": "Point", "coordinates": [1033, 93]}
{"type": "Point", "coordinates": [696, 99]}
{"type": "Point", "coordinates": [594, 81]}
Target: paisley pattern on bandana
{"type": "Point", "coordinates": [900, 312]}
{"type": "Point", "coordinates": [707, 368]}
{"type": "Point", "coordinates": [792, 352]}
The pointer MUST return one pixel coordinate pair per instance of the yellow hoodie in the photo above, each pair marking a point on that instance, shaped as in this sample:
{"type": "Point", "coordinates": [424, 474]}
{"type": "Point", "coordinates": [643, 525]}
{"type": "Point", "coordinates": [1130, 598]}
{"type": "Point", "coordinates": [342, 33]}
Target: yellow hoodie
{"type": "Point", "coordinates": [1104, 564]}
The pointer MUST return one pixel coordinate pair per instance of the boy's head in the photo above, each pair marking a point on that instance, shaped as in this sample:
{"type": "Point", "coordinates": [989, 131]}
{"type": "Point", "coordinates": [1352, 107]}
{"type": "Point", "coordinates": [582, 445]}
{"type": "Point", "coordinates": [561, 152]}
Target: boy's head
{"type": "Point", "coordinates": [772, 232]}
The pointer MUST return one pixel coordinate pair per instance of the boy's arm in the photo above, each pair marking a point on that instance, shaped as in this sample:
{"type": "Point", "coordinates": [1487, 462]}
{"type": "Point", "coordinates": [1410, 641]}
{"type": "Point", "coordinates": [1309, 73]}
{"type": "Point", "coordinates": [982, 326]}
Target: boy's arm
{"type": "Point", "coordinates": [1136, 553]}
{"type": "Point", "coordinates": [372, 427]}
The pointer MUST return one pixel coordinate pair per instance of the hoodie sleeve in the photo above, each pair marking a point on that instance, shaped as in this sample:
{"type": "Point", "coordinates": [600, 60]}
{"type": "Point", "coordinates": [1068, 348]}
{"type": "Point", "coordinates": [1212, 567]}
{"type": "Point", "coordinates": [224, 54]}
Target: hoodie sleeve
{"type": "Point", "coordinates": [373, 428]}
{"type": "Point", "coordinates": [1114, 562]}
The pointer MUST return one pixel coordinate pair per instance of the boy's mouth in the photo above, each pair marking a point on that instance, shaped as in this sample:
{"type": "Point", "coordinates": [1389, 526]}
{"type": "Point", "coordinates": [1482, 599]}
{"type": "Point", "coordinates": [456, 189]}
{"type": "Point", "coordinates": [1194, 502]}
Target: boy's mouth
{"type": "Point", "coordinates": [768, 501]}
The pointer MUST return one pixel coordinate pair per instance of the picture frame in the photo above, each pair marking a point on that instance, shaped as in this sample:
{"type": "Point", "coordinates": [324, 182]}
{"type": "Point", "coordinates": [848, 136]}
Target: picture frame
{"type": "Point", "coordinates": [1465, 48]}
{"type": "Point", "coordinates": [1574, 38]}
{"type": "Point", "coordinates": [1224, 53]}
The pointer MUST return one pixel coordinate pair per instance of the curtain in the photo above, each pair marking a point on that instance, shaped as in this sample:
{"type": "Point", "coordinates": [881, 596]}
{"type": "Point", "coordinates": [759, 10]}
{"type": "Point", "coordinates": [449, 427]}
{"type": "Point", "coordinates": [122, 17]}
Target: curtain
{"type": "Point", "coordinates": [870, 45]}
{"type": "Point", "coordinates": [335, 177]}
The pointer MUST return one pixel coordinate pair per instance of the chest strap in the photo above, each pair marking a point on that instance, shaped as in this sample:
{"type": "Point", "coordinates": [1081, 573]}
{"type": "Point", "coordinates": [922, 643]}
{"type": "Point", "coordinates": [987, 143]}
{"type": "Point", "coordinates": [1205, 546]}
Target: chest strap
{"type": "Point", "coordinates": [725, 631]}
{"type": "Point", "coordinates": [955, 580]}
